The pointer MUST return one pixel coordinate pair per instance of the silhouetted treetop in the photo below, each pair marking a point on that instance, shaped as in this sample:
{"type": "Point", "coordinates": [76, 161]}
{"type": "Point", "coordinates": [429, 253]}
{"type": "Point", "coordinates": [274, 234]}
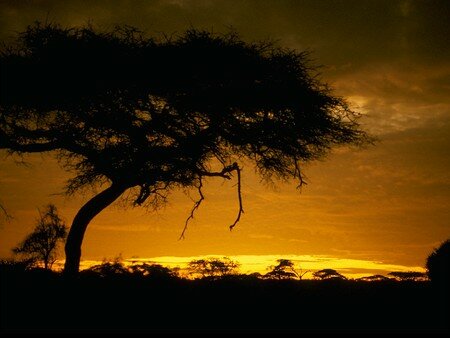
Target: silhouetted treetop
{"type": "Point", "coordinates": [212, 267]}
{"type": "Point", "coordinates": [408, 275]}
{"type": "Point", "coordinates": [327, 274]}
{"type": "Point", "coordinates": [42, 243]}
{"type": "Point", "coordinates": [438, 264]}
{"type": "Point", "coordinates": [151, 114]}
{"type": "Point", "coordinates": [103, 95]}
{"type": "Point", "coordinates": [285, 269]}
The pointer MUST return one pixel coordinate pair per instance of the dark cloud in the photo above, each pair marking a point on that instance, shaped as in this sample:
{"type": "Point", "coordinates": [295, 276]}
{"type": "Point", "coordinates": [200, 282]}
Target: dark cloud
{"type": "Point", "coordinates": [340, 31]}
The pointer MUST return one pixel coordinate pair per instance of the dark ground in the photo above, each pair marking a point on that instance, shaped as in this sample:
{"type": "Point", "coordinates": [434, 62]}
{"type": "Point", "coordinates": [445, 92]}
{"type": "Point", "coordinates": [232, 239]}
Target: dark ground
{"type": "Point", "coordinates": [39, 303]}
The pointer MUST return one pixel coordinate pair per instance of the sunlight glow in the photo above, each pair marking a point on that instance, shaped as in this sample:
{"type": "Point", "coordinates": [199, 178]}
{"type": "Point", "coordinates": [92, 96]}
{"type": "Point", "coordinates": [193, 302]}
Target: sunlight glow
{"type": "Point", "coordinates": [351, 268]}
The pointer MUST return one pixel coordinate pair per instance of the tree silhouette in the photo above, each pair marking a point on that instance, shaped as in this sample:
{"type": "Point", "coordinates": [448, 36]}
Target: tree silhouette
{"type": "Point", "coordinates": [150, 116]}
{"type": "Point", "coordinates": [327, 274]}
{"type": "Point", "coordinates": [154, 271]}
{"type": "Point", "coordinates": [408, 275]}
{"type": "Point", "coordinates": [284, 270]}
{"type": "Point", "coordinates": [212, 267]}
{"type": "Point", "coordinates": [438, 271]}
{"type": "Point", "coordinates": [438, 264]}
{"type": "Point", "coordinates": [374, 278]}
{"type": "Point", "coordinates": [42, 244]}
{"type": "Point", "coordinates": [108, 269]}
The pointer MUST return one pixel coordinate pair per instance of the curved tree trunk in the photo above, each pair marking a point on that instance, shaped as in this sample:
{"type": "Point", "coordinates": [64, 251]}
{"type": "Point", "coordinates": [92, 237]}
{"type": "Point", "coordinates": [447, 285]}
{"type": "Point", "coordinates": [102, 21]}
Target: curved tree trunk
{"type": "Point", "coordinates": [87, 212]}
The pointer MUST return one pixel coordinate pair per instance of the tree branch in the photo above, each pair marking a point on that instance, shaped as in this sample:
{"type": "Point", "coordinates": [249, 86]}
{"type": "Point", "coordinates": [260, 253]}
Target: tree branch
{"type": "Point", "coordinates": [28, 148]}
{"type": "Point", "coordinates": [145, 192]}
{"type": "Point", "coordinates": [224, 173]}
{"type": "Point", "coordinates": [298, 174]}
{"type": "Point", "coordinates": [5, 213]}
{"type": "Point", "coordinates": [241, 209]}
{"type": "Point", "coordinates": [194, 208]}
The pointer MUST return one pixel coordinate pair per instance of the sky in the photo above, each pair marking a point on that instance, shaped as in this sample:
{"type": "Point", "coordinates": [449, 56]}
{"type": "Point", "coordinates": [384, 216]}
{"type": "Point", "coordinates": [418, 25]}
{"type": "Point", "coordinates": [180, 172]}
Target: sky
{"type": "Point", "coordinates": [386, 204]}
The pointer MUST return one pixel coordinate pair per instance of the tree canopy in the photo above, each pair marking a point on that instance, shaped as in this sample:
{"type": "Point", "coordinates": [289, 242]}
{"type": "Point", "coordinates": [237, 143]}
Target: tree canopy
{"type": "Point", "coordinates": [328, 274]}
{"type": "Point", "coordinates": [285, 269]}
{"type": "Point", "coordinates": [212, 267]}
{"type": "Point", "coordinates": [152, 115]}
{"type": "Point", "coordinates": [408, 275]}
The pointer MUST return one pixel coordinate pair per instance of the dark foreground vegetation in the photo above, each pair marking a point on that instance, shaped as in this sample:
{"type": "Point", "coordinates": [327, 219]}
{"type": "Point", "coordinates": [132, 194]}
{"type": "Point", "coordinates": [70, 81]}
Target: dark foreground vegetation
{"type": "Point", "coordinates": [44, 302]}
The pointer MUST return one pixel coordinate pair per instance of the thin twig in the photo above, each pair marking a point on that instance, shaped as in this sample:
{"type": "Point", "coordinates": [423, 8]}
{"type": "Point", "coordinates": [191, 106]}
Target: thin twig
{"type": "Point", "coordinates": [145, 192]}
{"type": "Point", "coordinates": [225, 173]}
{"type": "Point", "coordinates": [7, 216]}
{"type": "Point", "coordinates": [194, 208]}
{"type": "Point", "coordinates": [298, 174]}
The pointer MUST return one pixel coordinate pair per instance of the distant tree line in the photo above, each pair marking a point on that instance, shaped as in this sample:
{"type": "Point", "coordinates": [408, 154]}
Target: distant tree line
{"type": "Point", "coordinates": [41, 247]}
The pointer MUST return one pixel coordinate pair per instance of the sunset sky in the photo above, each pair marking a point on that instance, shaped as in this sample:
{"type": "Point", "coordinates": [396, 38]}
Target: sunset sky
{"type": "Point", "coordinates": [388, 203]}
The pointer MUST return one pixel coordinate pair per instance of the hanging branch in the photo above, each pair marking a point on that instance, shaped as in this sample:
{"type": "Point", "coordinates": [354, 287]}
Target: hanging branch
{"type": "Point", "coordinates": [241, 209]}
{"type": "Point", "coordinates": [298, 174]}
{"type": "Point", "coordinates": [194, 208]}
{"type": "Point", "coordinates": [225, 173]}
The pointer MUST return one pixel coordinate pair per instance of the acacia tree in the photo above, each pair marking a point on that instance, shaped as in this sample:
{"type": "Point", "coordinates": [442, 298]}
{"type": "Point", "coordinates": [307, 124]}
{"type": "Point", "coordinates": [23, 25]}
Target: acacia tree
{"type": "Point", "coordinates": [212, 267]}
{"type": "Point", "coordinates": [285, 269]}
{"type": "Point", "coordinates": [42, 244]}
{"type": "Point", "coordinates": [149, 116]}
{"type": "Point", "coordinates": [328, 274]}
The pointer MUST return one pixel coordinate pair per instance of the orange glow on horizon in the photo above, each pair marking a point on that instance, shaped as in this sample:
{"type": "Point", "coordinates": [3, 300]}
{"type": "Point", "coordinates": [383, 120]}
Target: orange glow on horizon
{"type": "Point", "coordinates": [350, 268]}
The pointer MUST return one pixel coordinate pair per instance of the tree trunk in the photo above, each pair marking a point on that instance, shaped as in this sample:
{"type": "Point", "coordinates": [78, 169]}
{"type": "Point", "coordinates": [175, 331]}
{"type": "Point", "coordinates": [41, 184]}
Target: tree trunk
{"type": "Point", "coordinates": [87, 212]}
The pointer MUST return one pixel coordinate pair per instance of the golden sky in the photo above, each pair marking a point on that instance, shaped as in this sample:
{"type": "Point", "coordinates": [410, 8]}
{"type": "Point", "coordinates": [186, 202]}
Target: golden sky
{"type": "Point", "coordinates": [389, 203]}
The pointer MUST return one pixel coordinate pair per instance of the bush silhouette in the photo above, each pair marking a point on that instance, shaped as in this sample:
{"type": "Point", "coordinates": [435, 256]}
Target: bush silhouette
{"type": "Point", "coordinates": [108, 269]}
{"type": "Point", "coordinates": [438, 264]}
{"type": "Point", "coordinates": [153, 271]}
{"type": "Point", "coordinates": [408, 276]}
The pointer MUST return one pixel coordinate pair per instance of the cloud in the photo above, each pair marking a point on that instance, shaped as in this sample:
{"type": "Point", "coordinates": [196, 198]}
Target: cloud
{"type": "Point", "coordinates": [396, 97]}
